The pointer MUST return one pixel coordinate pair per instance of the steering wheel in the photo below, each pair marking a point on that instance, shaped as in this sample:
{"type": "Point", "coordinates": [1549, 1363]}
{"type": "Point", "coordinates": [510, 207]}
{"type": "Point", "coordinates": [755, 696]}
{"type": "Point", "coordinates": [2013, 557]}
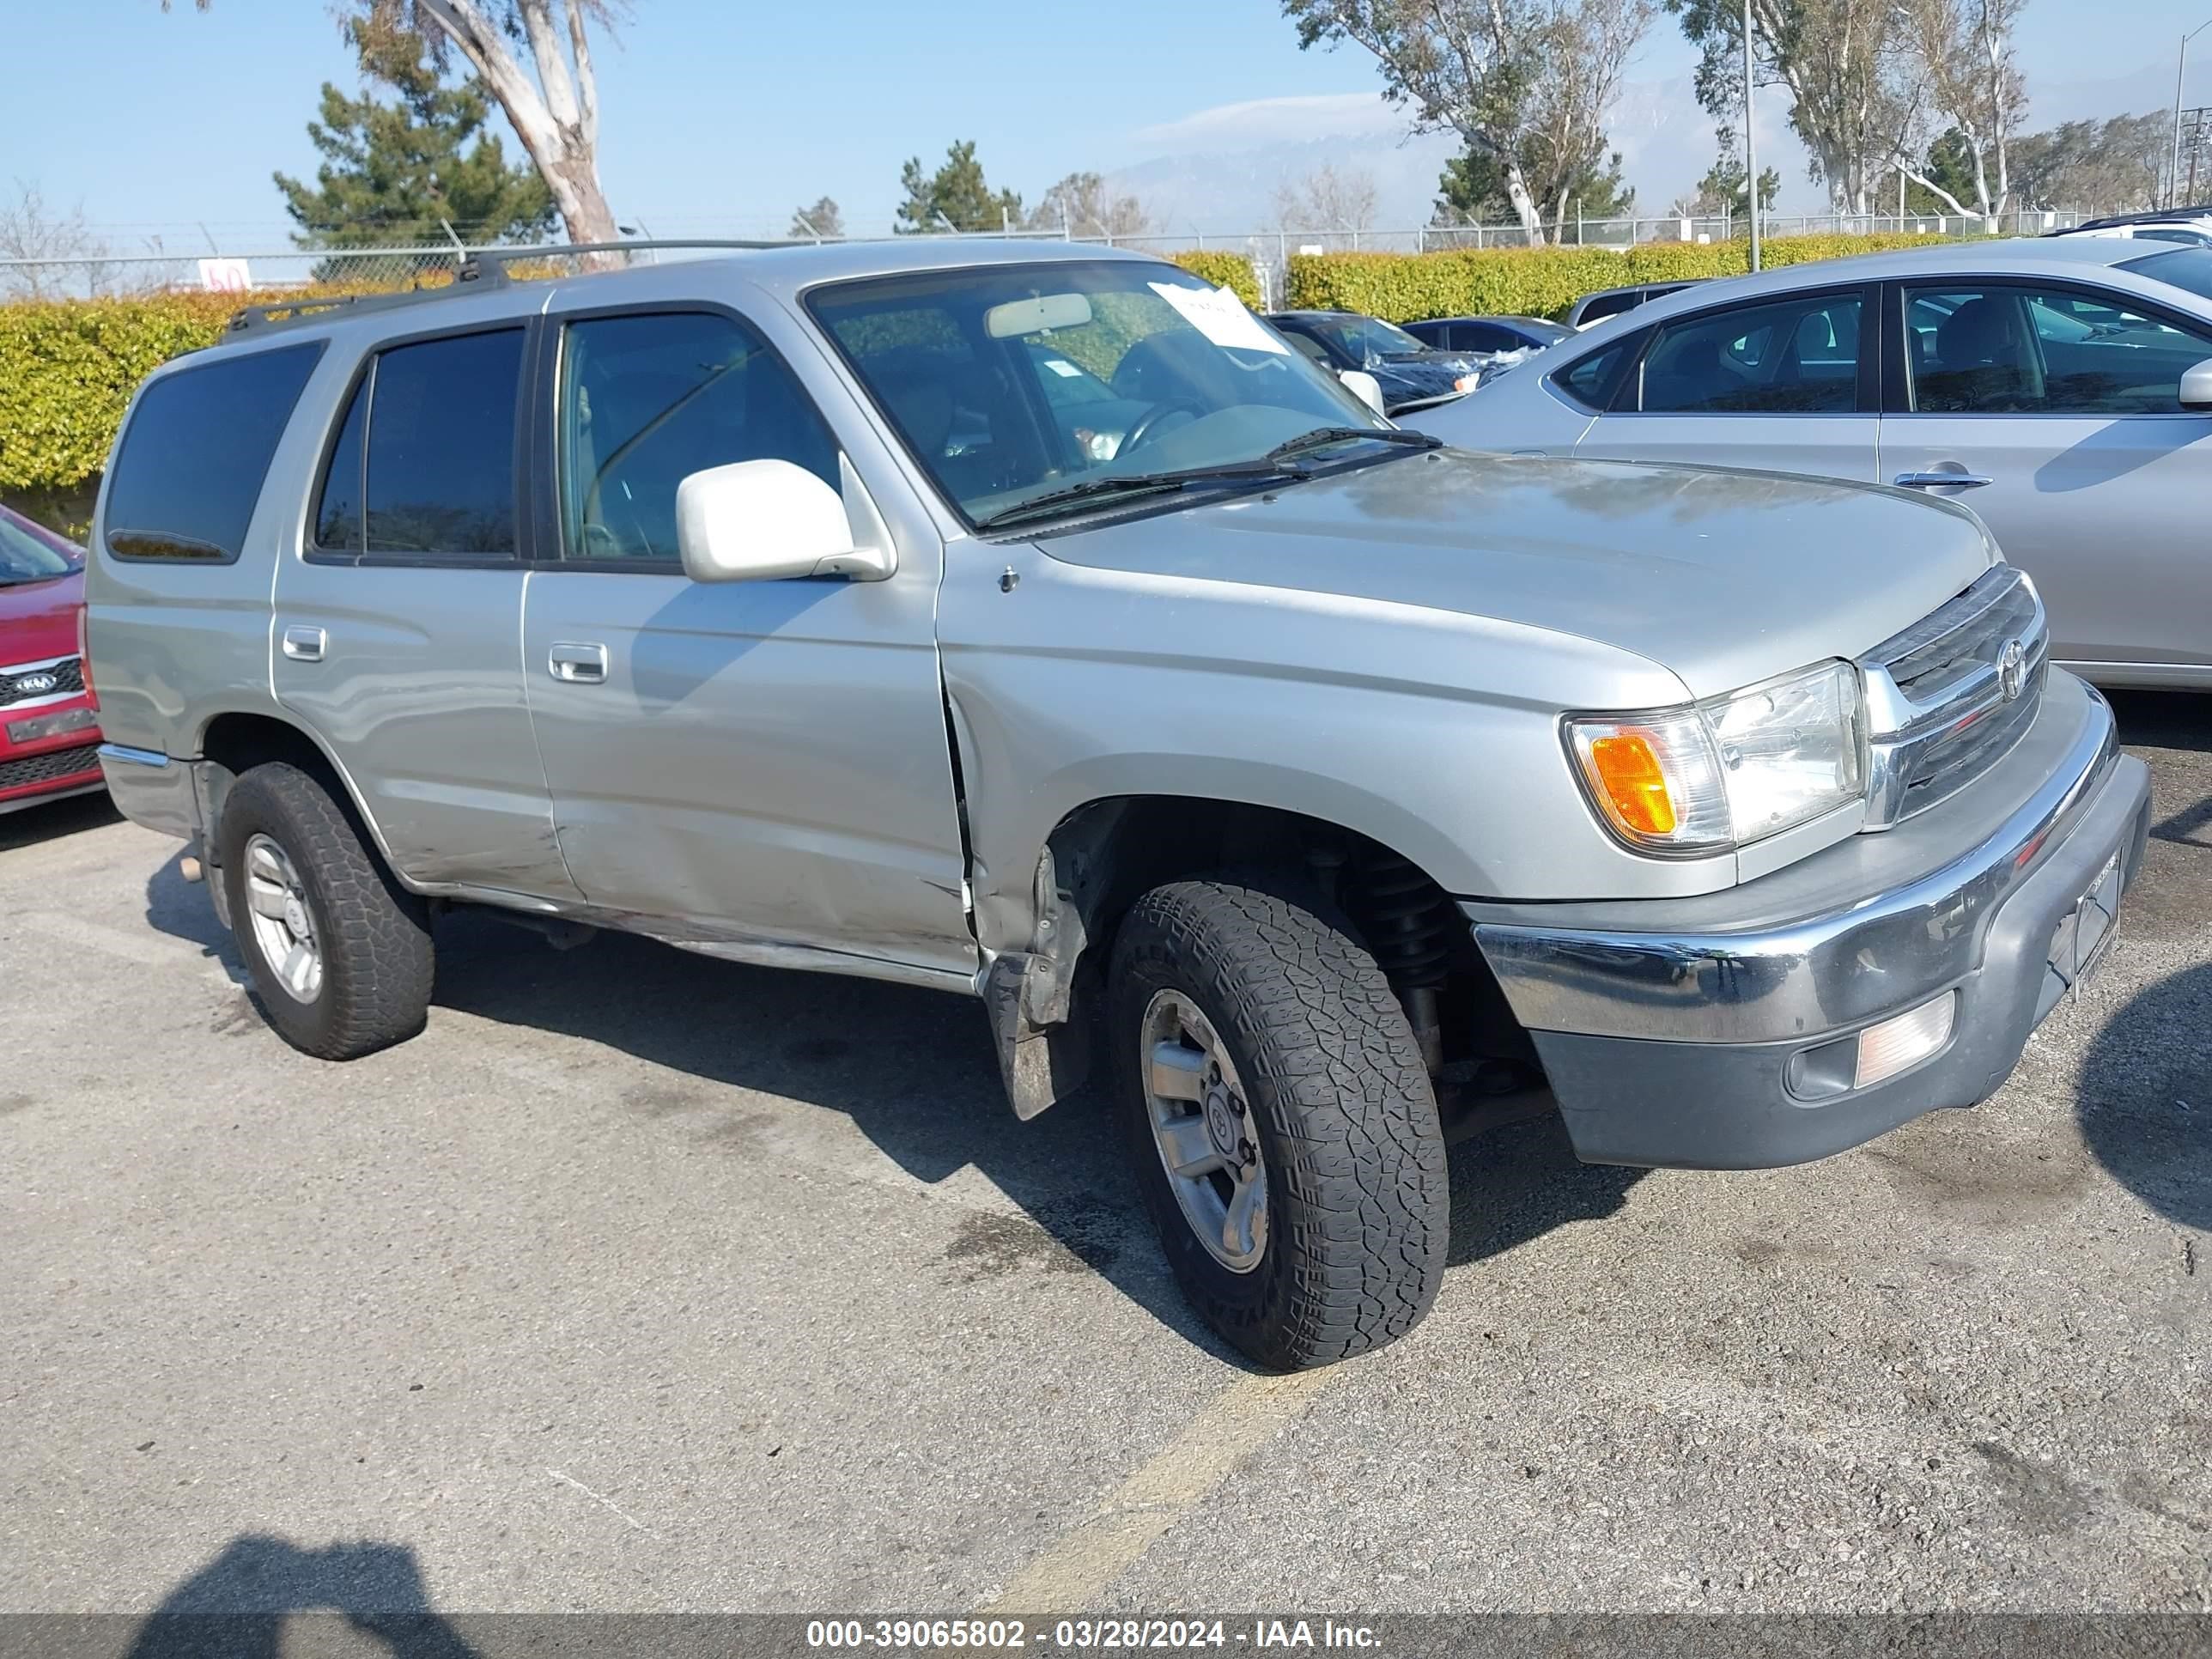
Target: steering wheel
{"type": "Point", "coordinates": [1141, 429]}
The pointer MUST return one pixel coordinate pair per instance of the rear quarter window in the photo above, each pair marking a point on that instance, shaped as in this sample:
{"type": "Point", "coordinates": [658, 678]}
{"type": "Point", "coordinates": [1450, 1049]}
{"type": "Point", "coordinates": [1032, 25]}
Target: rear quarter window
{"type": "Point", "coordinates": [191, 463]}
{"type": "Point", "coordinates": [1589, 380]}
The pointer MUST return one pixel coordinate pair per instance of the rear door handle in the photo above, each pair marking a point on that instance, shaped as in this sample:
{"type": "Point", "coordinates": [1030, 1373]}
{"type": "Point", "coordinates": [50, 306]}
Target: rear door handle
{"type": "Point", "coordinates": [304, 644]}
{"type": "Point", "coordinates": [1939, 480]}
{"type": "Point", "coordinates": [578, 663]}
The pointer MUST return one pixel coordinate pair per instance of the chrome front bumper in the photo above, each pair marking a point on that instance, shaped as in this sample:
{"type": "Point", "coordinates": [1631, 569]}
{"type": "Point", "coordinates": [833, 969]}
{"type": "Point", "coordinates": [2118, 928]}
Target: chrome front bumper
{"type": "Point", "coordinates": [1669, 1027]}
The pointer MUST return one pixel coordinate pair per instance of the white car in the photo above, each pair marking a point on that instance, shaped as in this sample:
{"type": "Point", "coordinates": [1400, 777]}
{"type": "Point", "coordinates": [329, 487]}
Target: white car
{"type": "Point", "coordinates": [2191, 226]}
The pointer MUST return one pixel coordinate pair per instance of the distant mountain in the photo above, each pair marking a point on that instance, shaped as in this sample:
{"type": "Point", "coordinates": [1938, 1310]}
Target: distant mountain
{"type": "Point", "coordinates": [1216, 171]}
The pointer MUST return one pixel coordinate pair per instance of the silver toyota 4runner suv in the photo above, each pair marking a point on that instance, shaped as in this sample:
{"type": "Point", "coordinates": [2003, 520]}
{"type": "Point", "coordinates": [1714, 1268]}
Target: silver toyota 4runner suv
{"type": "Point", "coordinates": [1031, 621]}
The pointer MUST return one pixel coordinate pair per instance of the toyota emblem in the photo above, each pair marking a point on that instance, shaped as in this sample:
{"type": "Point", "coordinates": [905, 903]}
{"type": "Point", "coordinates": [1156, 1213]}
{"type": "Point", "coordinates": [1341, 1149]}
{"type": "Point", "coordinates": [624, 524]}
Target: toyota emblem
{"type": "Point", "coordinates": [2012, 668]}
{"type": "Point", "coordinates": [33, 685]}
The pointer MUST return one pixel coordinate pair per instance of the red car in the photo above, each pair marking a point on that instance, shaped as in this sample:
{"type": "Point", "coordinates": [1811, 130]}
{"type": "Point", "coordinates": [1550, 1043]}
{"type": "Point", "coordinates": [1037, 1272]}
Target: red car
{"type": "Point", "coordinates": [49, 722]}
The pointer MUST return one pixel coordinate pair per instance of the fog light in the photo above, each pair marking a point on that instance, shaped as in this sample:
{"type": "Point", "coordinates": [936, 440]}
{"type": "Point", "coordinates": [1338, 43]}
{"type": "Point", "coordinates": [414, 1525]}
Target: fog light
{"type": "Point", "coordinates": [1903, 1039]}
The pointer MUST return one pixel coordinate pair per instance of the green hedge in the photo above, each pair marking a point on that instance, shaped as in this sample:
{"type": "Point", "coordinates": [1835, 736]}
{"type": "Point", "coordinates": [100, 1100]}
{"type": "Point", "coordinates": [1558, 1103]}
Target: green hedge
{"type": "Point", "coordinates": [1230, 270]}
{"type": "Point", "coordinates": [1534, 282]}
{"type": "Point", "coordinates": [68, 369]}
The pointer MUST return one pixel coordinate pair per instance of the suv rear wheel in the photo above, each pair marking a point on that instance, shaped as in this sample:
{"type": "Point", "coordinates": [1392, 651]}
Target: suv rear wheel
{"type": "Point", "coordinates": [1283, 1127]}
{"type": "Point", "coordinates": [339, 951]}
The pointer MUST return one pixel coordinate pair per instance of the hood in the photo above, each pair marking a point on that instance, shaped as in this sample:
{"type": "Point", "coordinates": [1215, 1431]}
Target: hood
{"type": "Point", "coordinates": [38, 620]}
{"type": "Point", "coordinates": [1723, 577]}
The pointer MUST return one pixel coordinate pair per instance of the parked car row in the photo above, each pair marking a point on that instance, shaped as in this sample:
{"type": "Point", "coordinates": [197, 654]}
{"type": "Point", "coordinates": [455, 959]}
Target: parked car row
{"type": "Point", "coordinates": [1436, 360]}
{"type": "Point", "coordinates": [1410, 373]}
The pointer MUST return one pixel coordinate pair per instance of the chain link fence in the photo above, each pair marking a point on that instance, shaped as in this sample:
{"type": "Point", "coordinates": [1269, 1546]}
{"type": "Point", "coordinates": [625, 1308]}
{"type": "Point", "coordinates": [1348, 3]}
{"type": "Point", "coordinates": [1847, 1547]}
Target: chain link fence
{"type": "Point", "coordinates": [264, 270]}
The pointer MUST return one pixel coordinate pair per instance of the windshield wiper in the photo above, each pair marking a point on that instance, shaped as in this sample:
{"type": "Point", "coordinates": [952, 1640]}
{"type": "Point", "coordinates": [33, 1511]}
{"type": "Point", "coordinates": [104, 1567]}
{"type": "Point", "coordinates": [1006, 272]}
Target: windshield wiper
{"type": "Point", "coordinates": [1321, 436]}
{"type": "Point", "coordinates": [1278, 463]}
{"type": "Point", "coordinates": [1136, 483]}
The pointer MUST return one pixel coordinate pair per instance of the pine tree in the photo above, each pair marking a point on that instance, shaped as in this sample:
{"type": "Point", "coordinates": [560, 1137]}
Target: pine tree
{"type": "Point", "coordinates": [395, 174]}
{"type": "Point", "coordinates": [955, 194]}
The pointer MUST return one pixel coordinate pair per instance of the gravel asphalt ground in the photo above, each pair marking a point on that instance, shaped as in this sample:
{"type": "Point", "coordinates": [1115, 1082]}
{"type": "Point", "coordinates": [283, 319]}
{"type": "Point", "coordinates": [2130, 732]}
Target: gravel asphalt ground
{"type": "Point", "coordinates": [642, 1281]}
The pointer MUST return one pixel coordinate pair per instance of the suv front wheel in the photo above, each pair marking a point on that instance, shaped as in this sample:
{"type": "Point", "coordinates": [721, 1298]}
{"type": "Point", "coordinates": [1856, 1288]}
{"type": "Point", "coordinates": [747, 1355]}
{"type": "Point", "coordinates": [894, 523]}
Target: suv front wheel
{"type": "Point", "coordinates": [339, 951]}
{"type": "Point", "coordinates": [1283, 1127]}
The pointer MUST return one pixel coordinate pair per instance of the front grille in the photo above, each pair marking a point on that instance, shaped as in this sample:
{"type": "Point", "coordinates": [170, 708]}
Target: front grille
{"type": "Point", "coordinates": [21, 684]}
{"type": "Point", "coordinates": [50, 767]}
{"type": "Point", "coordinates": [1948, 697]}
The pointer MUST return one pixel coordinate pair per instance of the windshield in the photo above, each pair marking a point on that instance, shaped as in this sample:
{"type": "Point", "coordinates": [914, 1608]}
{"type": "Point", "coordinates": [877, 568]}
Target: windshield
{"type": "Point", "coordinates": [29, 554]}
{"type": "Point", "coordinates": [1368, 336]}
{"type": "Point", "coordinates": [993, 376]}
{"type": "Point", "coordinates": [2186, 268]}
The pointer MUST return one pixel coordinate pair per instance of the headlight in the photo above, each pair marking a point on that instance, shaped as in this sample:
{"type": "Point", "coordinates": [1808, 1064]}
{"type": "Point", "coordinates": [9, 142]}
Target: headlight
{"type": "Point", "coordinates": [1727, 771]}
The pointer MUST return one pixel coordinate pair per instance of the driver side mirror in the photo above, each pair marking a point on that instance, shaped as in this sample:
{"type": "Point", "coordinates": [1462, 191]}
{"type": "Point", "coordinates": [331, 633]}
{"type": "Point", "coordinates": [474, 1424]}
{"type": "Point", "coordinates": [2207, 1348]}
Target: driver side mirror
{"type": "Point", "coordinates": [2196, 386]}
{"type": "Point", "coordinates": [1369, 389]}
{"type": "Point", "coordinates": [754, 521]}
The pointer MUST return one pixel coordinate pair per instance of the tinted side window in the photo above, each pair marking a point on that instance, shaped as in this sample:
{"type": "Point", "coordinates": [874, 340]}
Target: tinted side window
{"type": "Point", "coordinates": [1482, 336]}
{"type": "Point", "coordinates": [440, 471]}
{"type": "Point", "coordinates": [1586, 380]}
{"type": "Point", "coordinates": [2004, 350]}
{"type": "Point", "coordinates": [191, 465]}
{"type": "Point", "coordinates": [337, 512]}
{"type": "Point", "coordinates": [1792, 356]}
{"type": "Point", "coordinates": [2190, 270]}
{"type": "Point", "coordinates": [646, 401]}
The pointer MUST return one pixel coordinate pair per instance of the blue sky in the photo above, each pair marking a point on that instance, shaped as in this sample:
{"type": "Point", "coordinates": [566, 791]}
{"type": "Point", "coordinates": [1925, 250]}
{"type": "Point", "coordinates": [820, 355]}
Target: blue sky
{"type": "Point", "coordinates": [720, 115]}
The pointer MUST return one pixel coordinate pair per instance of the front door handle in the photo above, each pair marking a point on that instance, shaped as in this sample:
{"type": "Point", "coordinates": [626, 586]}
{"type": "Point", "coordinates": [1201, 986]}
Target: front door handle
{"type": "Point", "coordinates": [1939, 480]}
{"type": "Point", "coordinates": [304, 644]}
{"type": "Point", "coordinates": [578, 663]}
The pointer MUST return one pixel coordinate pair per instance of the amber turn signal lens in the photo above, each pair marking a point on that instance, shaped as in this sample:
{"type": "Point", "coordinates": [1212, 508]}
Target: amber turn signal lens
{"type": "Point", "coordinates": [1629, 771]}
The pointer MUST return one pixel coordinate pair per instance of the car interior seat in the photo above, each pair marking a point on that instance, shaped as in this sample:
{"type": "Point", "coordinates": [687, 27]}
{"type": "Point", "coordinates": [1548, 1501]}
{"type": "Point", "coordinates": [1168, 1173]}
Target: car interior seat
{"type": "Point", "coordinates": [1689, 377]}
{"type": "Point", "coordinates": [1983, 361]}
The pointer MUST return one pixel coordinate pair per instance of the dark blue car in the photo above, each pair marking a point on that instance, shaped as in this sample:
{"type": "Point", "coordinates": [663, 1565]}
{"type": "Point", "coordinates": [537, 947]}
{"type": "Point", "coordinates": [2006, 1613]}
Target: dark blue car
{"type": "Point", "coordinates": [1488, 334]}
{"type": "Point", "coordinates": [1412, 373]}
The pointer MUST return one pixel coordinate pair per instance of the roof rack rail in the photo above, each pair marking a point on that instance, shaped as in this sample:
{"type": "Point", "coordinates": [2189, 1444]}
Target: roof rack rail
{"type": "Point", "coordinates": [478, 268]}
{"type": "Point", "coordinates": [312, 308]}
{"type": "Point", "coordinates": [499, 257]}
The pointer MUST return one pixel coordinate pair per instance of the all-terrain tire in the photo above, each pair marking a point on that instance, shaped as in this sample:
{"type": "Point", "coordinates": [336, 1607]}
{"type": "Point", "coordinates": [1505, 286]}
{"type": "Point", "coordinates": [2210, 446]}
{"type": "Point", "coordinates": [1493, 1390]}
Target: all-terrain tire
{"type": "Point", "coordinates": [374, 934]}
{"type": "Point", "coordinates": [1359, 1204]}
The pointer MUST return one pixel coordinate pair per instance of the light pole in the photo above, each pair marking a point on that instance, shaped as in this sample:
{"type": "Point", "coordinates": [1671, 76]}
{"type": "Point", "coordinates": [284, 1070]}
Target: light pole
{"type": "Point", "coordinates": [2181, 68]}
{"type": "Point", "coordinates": [1750, 139]}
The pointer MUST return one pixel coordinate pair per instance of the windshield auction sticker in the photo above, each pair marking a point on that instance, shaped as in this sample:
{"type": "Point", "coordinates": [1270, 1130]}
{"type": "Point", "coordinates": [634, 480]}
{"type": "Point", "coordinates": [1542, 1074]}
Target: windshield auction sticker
{"type": "Point", "coordinates": [1221, 317]}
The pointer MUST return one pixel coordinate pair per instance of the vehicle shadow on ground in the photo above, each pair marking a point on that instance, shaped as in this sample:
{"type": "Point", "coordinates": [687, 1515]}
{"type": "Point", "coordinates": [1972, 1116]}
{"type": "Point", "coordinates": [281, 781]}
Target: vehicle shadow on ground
{"type": "Point", "coordinates": [915, 1072]}
{"type": "Point", "coordinates": [2180, 721]}
{"type": "Point", "coordinates": [1514, 1184]}
{"type": "Point", "coordinates": [239, 1605]}
{"type": "Point", "coordinates": [51, 820]}
{"type": "Point", "coordinates": [2145, 1104]}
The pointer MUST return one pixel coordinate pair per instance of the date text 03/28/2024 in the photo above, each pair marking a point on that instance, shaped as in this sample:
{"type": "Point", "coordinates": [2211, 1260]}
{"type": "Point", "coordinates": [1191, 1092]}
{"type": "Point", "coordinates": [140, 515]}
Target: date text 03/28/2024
{"type": "Point", "coordinates": [1106, 1634]}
